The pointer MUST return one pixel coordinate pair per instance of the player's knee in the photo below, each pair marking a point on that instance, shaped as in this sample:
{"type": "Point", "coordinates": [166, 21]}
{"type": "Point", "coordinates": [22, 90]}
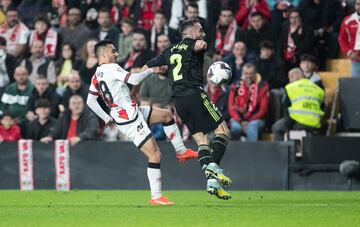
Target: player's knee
{"type": "Point", "coordinates": [168, 116]}
{"type": "Point", "coordinates": [155, 156]}
{"type": "Point", "coordinates": [223, 129]}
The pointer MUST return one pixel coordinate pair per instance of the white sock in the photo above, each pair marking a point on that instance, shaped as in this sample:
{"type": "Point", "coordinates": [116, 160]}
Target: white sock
{"type": "Point", "coordinates": [173, 134]}
{"type": "Point", "coordinates": [154, 175]}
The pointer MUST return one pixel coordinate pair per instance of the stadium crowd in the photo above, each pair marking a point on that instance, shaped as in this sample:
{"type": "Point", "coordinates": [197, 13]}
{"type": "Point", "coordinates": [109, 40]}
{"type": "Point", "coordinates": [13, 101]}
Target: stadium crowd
{"type": "Point", "coordinates": [274, 48]}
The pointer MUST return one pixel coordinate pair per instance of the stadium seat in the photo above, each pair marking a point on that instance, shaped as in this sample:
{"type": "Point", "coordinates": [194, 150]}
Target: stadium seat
{"type": "Point", "coordinates": [339, 65]}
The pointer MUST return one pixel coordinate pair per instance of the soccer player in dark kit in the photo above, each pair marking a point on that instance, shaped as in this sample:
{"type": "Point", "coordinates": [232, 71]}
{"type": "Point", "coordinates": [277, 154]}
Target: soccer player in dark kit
{"type": "Point", "coordinates": [185, 62]}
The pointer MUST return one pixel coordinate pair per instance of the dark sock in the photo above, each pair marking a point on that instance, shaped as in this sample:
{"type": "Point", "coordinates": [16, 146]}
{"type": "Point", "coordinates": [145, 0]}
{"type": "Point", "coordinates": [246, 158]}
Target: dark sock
{"type": "Point", "coordinates": [218, 145]}
{"type": "Point", "coordinates": [204, 155]}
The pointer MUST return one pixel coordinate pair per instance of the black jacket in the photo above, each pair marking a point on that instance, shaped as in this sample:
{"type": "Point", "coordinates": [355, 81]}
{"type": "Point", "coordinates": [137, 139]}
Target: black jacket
{"type": "Point", "coordinates": [11, 63]}
{"type": "Point", "coordinates": [49, 94]}
{"type": "Point", "coordinates": [272, 71]}
{"type": "Point", "coordinates": [36, 131]}
{"type": "Point", "coordinates": [254, 38]}
{"type": "Point", "coordinates": [87, 126]}
{"type": "Point", "coordinates": [327, 13]}
{"type": "Point", "coordinates": [83, 92]}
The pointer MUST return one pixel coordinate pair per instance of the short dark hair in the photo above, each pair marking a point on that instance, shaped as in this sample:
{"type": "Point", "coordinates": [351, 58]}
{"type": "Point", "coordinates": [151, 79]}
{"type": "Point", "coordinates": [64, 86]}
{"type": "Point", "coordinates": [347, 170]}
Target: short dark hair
{"type": "Point", "coordinates": [102, 43]}
{"type": "Point", "coordinates": [42, 18]}
{"type": "Point", "coordinates": [12, 8]}
{"type": "Point", "coordinates": [7, 114]}
{"type": "Point", "coordinates": [295, 10]}
{"type": "Point", "coordinates": [256, 14]}
{"type": "Point", "coordinates": [42, 103]}
{"type": "Point", "coordinates": [193, 5]}
{"type": "Point", "coordinates": [308, 57]}
{"type": "Point", "coordinates": [128, 21]}
{"type": "Point", "coordinates": [104, 10]}
{"type": "Point", "coordinates": [187, 24]}
{"type": "Point", "coordinates": [226, 8]}
{"type": "Point", "coordinates": [2, 41]}
{"type": "Point", "coordinates": [267, 45]}
{"type": "Point", "coordinates": [140, 31]}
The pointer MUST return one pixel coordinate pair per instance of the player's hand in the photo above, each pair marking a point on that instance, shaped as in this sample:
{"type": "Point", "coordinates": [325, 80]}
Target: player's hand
{"type": "Point", "coordinates": [46, 139]}
{"type": "Point", "coordinates": [160, 70]}
{"type": "Point", "coordinates": [200, 45]}
{"type": "Point", "coordinates": [75, 140]}
{"type": "Point", "coordinates": [111, 123]}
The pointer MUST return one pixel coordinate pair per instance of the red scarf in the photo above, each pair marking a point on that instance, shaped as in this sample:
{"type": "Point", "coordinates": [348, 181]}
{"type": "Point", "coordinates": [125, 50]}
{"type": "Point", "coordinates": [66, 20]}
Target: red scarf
{"type": "Point", "coordinates": [130, 62]}
{"type": "Point", "coordinates": [225, 44]}
{"type": "Point", "coordinates": [50, 41]}
{"type": "Point", "coordinates": [247, 97]}
{"type": "Point", "coordinates": [289, 52]}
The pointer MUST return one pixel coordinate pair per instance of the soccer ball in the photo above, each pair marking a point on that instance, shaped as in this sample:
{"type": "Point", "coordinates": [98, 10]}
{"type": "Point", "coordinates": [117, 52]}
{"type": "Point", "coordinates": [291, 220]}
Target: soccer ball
{"type": "Point", "coordinates": [219, 72]}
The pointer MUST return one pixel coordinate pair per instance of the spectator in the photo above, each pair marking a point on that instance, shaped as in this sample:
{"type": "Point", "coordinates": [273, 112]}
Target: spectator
{"type": "Point", "coordinates": [304, 102]}
{"type": "Point", "coordinates": [162, 43]}
{"type": "Point", "coordinates": [7, 66]}
{"type": "Point", "coordinates": [270, 66]}
{"type": "Point", "coordinates": [125, 39]}
{"type": "Point", "coordinates": [38, 64]}
{"type": "Point", "coordinates": [192, 13]}
{"type": "Point", "coordinates": [176, 13]}
{"type": "Point", "coordinates": [237, 59]}
{"type": "Point", "coordinates": [47, 35]}
{"type": "Point", "coordinates": [9, 130]}
{"type": "Point", "coordinates": [155, 91]}
{"type": "Point", "coordinates": [89, 61]}
{"type": "Point", "coordinates": [120, 11]}
{"type": "Point", "coordinates": [280, 14]}
{"type": "Point", "coordinates": [144, 12]}
{"type": "Point", "coordinates": [248, 104]}
{"type": "Point", "coordinates": [42, 90]}
{"type": "Point", "coordinates": [295, 40]}
{"type": "Point", "coordinates": [324, 18]}
{"type": "Point", "coordinates": [258, 32]}
{"type": "Point", "coordinates": [43, 125]}
{"type": "Point", "coordinates": [139, 54]}
{"type": "Point", "coordinates": [65, 66]}
{"type": "Point", "coordinates": [247, 7]}
{"type": "Point", "coordinates": [76, 124]}
{"type": "Point", "coordinates": [74, 87]}
{"type": "Point", "coordinates": [75, 33]}
{"type": "Point", "coordinates": [160, 27]}
{"type": "Point", "coordinates": [308, 65]}
{"type": "Point", "coordinates": [282, 4]}
{"type": "Point", "coordinates": [272, 70]}
{"type": "Point", "coordinates": [16, 95]}
{"type": "Point", "coordinates": [105, 30]}
{"type": "Point", "coordinates": [226, 33]}
{"type": "Point", "coordinates": [15, 32]}
{"type": "Point", "coordinates": [28, 9]}
{"type": "Point", "coordinates": [349, 39]}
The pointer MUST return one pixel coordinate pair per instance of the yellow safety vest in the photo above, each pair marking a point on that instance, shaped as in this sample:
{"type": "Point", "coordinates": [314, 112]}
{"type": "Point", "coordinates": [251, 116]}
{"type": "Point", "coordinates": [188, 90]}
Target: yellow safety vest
{"type": "Point", "coordinates": [306, 98]}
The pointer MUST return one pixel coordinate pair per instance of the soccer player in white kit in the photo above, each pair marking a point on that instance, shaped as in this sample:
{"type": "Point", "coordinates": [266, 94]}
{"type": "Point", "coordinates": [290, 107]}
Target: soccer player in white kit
{"type": "Point", "coordinates": [110, 82]}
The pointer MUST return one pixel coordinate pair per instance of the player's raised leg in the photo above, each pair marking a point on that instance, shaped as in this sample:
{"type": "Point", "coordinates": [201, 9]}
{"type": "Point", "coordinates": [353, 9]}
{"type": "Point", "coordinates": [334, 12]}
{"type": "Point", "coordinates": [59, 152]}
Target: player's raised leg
{"type": "Point", "coordinates": [218, 146]}
{"type": "Point", "coordinates": [152, 152]}
{"type": "Point", "coordinates": [213, 186]}
{"type": "Point", "coordinates": [164, 116]}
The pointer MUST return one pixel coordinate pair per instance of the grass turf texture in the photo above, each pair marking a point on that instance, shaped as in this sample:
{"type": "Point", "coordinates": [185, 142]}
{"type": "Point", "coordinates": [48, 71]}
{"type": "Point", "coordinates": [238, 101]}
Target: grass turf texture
{"type": "Point", "coordinates": [193, 208]}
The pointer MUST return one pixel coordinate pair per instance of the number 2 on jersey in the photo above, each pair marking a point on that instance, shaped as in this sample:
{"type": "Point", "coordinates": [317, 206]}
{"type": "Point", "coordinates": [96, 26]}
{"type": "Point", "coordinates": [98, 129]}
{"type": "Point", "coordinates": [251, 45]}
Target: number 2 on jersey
{"type": "Point", "coordinates": [176, 59]}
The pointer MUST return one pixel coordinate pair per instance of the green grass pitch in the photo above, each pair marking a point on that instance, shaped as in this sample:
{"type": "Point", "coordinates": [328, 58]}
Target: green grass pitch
{"type": "Point", "coordinates": [193, 208]}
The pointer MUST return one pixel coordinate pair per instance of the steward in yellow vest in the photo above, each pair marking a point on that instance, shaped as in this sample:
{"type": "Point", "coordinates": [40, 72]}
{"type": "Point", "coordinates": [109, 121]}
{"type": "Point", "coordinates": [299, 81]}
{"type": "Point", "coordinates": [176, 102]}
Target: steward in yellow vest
{"type": "Point", "coordinates": [306, 99]}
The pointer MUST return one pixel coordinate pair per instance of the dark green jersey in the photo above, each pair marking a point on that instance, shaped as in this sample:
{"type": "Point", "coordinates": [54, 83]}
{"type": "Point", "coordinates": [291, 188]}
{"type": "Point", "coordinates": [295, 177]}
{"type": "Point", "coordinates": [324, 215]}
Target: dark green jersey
{"type": "Point", "coordinates": [185, 67]}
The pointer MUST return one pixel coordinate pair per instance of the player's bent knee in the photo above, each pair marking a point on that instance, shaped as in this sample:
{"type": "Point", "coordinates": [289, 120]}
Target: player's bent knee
{"type": "Point", "coordinates": [223, 129]}
{"type": "Point", "coordinates": [168, 116]}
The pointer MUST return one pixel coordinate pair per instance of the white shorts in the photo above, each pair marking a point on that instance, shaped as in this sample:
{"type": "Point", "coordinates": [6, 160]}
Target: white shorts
{"type": "Point", "coordinates": [138, 130]}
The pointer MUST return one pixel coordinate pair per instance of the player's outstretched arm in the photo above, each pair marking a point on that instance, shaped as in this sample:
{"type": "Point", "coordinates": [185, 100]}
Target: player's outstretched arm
{"type": "Point", "coordinates": [94, 106]}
